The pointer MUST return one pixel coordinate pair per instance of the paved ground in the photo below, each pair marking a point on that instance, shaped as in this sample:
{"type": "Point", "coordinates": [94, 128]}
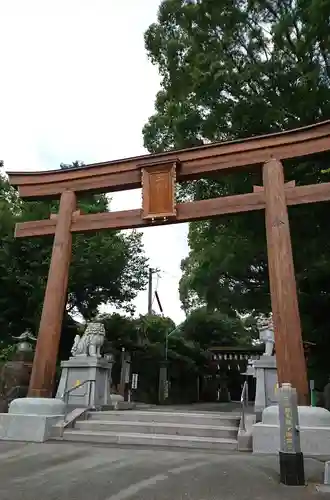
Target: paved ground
{"type": "Point", "coordinates": [63, 471]}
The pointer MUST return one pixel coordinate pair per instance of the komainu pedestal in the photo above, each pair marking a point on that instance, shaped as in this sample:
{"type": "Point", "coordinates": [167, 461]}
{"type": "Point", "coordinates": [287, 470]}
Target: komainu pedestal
{"type": "Point", "coordinates": [86, 376]}
{"type": "Point", "coordinates": [266, 383]}
{"type": "Point", "coordinates": [95, 392]}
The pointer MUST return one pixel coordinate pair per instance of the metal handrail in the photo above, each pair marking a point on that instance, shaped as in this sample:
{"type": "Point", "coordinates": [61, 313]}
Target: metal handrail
{"type": "Point", "coordinates": [65, 395]}
{"type": "Point", "coordinates": [68, 391]}
{"type": "Point", "coordinates": [244, 403]}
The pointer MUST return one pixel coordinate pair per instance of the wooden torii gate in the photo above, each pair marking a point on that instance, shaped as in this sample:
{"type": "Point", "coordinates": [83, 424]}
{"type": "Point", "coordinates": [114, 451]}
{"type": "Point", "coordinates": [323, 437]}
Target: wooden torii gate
{"type": "Point", "coordinates": [157, 174]}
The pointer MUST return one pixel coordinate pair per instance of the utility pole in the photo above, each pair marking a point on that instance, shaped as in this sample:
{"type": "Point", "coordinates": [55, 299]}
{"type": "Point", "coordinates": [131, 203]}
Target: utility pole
{"type": "Point", "coordinates": [150, 291]}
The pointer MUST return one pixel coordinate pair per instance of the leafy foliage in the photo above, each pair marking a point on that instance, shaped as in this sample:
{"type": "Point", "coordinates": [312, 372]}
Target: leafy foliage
{"type": "Point", "coordinates": [232, 70]}
{"type": "Point", "coordinates": [131, 333]}
{"type": "Point", "coordinates": [209, 329]}
{"type": "Point", "coordinates": [6, 351]}
{"type": "Point", "coordinates": [236, 68]}
{"type": "Point", "coordinates": [145, 338]}
{"type": "Point", "coordinates": [154, 328]}
{"type": "Point", "coordinates": [108, 266]}
{"type": "Point", "coordinates": [121, 331]}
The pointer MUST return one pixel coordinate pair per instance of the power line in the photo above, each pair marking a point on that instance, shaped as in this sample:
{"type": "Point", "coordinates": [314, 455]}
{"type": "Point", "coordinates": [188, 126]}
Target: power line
{"type": "Point", "coordinates": [159, 303]}
{"type": "Point", "coordinates": [156, 288]}
{"type": "Point", "coordinates": [150, 288]}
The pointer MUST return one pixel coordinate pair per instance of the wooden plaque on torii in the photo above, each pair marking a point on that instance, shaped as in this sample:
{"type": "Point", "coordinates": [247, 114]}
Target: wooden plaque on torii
{"type": "Point", "coordinates": [157, 175]}
{"type": "Point", "coordinates": [158, 191]}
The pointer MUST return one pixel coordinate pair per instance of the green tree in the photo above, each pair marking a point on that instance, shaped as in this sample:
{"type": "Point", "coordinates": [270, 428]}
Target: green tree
{"type": "Point", "coordinates": [145, 338]}
{"type": "Point", "coordinates": [127, 331]}
{"type": "Point", "coordinates": [231, 70]}
{"type": "Point", "coordinates": [213, 328]}
{"type": "Point", "coordinates": [121, 331]}
{"type": "Point", "coordinates": [19, 281]}
{"type": "Point", "coordinates": [107, 267]}
{"type": "Point", "coordinates": [154, 328]}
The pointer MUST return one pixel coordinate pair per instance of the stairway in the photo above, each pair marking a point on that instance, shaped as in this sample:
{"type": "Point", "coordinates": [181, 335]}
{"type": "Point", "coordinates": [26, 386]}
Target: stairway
{"type": "Point", "coordinates": [208, 430]}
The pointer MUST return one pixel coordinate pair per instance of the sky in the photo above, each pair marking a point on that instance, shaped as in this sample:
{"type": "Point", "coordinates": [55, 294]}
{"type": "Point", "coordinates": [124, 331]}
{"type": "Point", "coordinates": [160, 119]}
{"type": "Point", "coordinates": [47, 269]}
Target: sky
{"type": "Point", "coordinates": [76, 84]}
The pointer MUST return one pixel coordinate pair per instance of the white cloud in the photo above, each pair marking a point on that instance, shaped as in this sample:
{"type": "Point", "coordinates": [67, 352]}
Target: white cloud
{"type": "Point", "coordinates": [76, 84]}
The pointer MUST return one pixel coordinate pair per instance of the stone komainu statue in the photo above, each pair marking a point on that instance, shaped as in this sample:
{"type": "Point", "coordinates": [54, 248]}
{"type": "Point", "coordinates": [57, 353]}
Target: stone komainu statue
{"type": "Point", "coordinates": [90, 343]}
{"type": "Point", "coordinates": [266, 334]}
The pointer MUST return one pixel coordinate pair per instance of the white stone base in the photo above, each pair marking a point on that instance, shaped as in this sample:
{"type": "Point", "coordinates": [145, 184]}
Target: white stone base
{"type": "Point", "coordinates": [37, 406]}
{"type": "Point", "coordinates": [95, 393]}
{"type": "Point", "coordinates": [314, 425]}
{"type": "Point", "coordinates": [31, 419]}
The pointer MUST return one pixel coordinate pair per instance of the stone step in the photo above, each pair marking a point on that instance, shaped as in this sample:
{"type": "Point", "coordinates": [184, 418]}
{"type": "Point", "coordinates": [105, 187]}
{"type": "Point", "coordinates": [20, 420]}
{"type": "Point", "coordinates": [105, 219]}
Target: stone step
{"type": "Point", "coordinates": [217, 419]}
{"type": "Point", "coordinates": [123, 405]}
{"type": "Point", "coordinates": [164, 428]}
{"type": "Point", "coordinates": [144, 406]}
{"type": "Point", "coordinates": [116, 406]}
{"type": "Point", "coordinates": [163, 440]}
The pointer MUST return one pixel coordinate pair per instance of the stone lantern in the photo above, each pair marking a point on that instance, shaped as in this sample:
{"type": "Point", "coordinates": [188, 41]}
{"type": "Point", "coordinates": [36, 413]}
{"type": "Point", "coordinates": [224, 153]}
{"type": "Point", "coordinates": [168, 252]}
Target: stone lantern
{"type": "Point", "coordinates": [15, 373]}
{"type": "Point", "coordinates": [24, 344]}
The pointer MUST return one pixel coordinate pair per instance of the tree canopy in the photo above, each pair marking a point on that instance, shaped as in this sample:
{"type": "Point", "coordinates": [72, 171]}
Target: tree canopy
{"type": "Point", "coordinates": [145, 338]}
{"type": "Point", "coordinates": [231, 70]}
{"type": "Point", "coordinates": [214, 328]}
{"type": "Point", "coordinates": [107, 267]}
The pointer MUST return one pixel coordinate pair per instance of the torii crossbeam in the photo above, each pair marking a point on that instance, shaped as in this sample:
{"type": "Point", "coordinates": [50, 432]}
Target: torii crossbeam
{"type": "Point", "coordinates": [157, 174]}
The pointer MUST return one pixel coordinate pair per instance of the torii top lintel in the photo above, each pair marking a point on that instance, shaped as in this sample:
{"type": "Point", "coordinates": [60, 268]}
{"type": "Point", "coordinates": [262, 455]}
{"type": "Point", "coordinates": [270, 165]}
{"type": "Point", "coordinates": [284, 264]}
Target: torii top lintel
{"type": "Point", "coordinates": [191, 163]}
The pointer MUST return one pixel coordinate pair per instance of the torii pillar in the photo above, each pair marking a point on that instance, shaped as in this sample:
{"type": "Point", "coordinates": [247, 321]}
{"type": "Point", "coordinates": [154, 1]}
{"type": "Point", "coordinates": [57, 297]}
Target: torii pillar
{"type": "Point", "coordinates": [44, 364]}
{"type": "Point", "coordinates": [291, 365]}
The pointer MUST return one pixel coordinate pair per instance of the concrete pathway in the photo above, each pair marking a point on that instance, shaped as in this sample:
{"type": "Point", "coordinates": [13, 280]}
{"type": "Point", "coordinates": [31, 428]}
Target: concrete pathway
{"type": "Point", "coordinates": [60, 471]}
